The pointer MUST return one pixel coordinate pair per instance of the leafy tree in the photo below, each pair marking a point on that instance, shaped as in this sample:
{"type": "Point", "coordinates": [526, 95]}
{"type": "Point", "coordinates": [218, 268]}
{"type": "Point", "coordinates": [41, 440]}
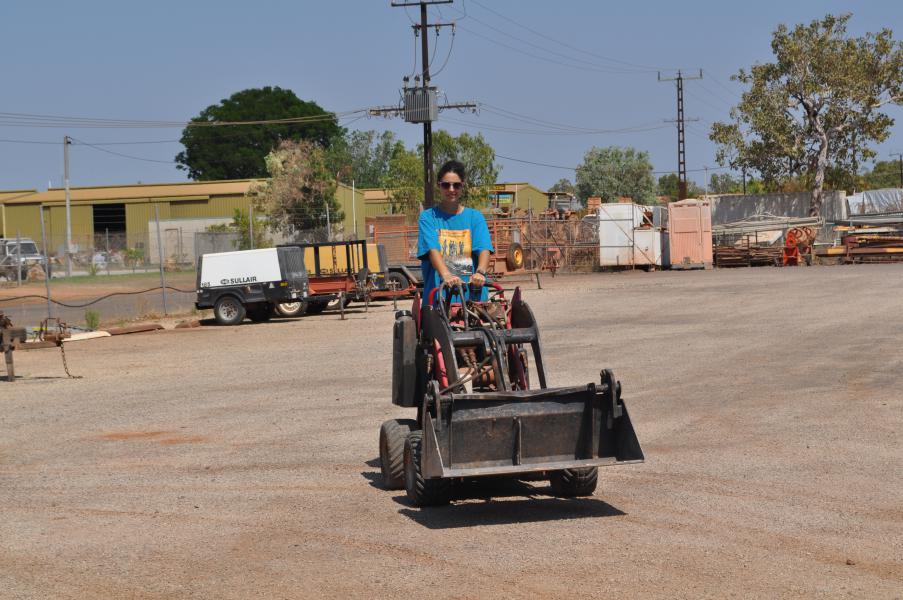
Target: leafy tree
{"type": "Point", "coordinates": [885, 174]}
{"type": "Point", "coordinates": [564, 185]}
{"type": "Point", "coordinates": [404, 181]}
{"type": "Point", "coordinates": [300, 190]}
{"type": "Point", "coordinates": [478, 157]}
{"type": "Point", "coordinates": [816, 106]}
{"type": "Point", "coordinates": [238, 151]}
{"type": "Point", "coordinates": [614, 172]}
{"type": "Point", "coordinates": [363, 156]}
{"type": "Point", "coordinates": [667, 186]}
{"type": "Point", "coordinates": [241, 224]}
{"type": "Point", "coordinates": [725, 183]}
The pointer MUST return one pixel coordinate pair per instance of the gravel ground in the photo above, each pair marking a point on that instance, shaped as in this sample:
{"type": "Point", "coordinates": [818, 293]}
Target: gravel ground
{"type": "Point", "coordinates": [241, 462]}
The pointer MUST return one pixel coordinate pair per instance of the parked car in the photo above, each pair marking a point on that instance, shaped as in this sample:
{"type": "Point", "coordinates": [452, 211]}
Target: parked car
{"type": "Point", "coordinates": [22, 253]}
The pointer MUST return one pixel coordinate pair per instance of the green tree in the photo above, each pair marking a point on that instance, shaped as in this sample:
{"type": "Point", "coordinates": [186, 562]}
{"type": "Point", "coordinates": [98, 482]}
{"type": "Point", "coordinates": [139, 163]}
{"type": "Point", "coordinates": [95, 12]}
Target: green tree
{"type": "Point", "coordinates": [404, 181]}
{"type": "Point", "coordinates": [564, 185]}
{"type": "Point", "coordinates": [478, 157]}
{"type": "Point", "coordinates": [667, 186]}
{"type": "Point", "coordinates": [614, 172]}
{"type": "Point", "coordinates": [725, 183]}
{"type": "Point", "coordinates": [300, 190]}
{"type": "Point", "coordinates": [885, 174]}
{"type": "Point", "coordinates": [363, 156]}
{"type": "Point", "coordinates": [817, 106]}
{"type": "Point", "coordinates": [241, 224]}
{"type": "Point", "coordinates": [238, 151]}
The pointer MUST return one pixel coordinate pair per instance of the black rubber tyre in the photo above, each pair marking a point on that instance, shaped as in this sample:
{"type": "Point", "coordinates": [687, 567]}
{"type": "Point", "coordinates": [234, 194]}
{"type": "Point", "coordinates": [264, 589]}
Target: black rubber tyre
{"type": "Point", "coordinates": [574, 482]}
{"type": "Point", "coordinates": [514, 259]}
{"type": "Point", "coordinates": [290, 309]}
{"type": "Point", "coordinates": [392, 435]}
{"type": "Point", "coordinates": [260, 313]}
{"type": "Point", "coordinates": [228, 310]}
{"type": "Point", "coordinates": [335, 303]}
{"type": "Point", "coordinates": [421, 492]}
{"type": "Point", "coordinates": [400, 280]}
{"type": "Point", "coordinates": [315, 308]}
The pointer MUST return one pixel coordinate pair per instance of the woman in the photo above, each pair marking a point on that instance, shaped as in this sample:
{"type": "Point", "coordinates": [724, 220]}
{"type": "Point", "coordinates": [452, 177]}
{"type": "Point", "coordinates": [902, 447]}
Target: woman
{"type": "Point", "coordinates": [454, 243]}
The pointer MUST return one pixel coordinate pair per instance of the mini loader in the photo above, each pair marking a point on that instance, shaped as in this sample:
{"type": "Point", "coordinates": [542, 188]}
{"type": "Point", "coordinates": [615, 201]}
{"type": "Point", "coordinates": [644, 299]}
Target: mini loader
{"type": "Point", "coordinates": [465, 367]}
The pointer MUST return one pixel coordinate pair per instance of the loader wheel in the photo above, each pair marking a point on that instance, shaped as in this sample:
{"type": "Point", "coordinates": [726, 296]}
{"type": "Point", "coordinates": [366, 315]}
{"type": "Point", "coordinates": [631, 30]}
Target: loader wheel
{"type": "Point", "coordinates": [392, 435]}
{"type": "Point", "coordinates": [228, 310]}
{"type": "Point", "coordinates": [574, 482]}
{"type": "Point", "coordinates": [290, 309]}
{"type": "Point", "coordinates": [421, 491]}
{"type": "Point", "coordinates": [260, 313]}
{"type": "Point", "coordinates": [514, 259]}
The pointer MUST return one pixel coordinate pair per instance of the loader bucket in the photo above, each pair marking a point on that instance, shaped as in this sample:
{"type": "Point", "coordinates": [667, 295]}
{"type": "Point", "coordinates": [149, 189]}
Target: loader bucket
{"type": "Point", "coordinates": [513, 432]}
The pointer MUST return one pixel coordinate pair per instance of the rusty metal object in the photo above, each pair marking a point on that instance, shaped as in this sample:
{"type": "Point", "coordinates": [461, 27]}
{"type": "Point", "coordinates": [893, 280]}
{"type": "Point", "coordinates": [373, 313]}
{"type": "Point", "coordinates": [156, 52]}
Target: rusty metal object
{"type": "Point", "coordinates": [10, 339]}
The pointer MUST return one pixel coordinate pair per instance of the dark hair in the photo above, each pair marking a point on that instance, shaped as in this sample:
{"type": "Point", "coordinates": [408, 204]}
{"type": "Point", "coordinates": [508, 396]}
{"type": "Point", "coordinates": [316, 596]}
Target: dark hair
{"type": "Point", "coordinates": [452, 166]}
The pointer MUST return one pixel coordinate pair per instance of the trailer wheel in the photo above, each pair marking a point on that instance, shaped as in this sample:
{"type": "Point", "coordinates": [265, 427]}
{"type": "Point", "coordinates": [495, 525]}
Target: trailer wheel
{"type": "Point", "coordinates": [574, 482]}
{"type": "Point", "coordinates": [514, 259]}
{"type": "Point", "coordinates": [228, 310]}
{"type": "Point", "coordinates": [290, 309]}
{"type": "Point", "coordinates": [315, 308]}
{"type": "Point", "coordinates": [421, 491]}
{"type": "Point", "coordinates": [260, 313]}
{"type": "Point", "coordinates": [392, 435]}
{"type": "Point", "coordinates": [397, 281]}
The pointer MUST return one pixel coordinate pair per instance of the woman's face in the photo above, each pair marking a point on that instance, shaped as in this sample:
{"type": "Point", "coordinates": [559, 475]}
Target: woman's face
{"type": "Point", "coordinates": [451, 187]}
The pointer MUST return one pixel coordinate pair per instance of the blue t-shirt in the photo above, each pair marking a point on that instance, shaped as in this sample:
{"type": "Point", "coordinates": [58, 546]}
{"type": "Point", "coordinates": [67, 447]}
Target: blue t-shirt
{"type": "Point", "coordinates": [458, 238]}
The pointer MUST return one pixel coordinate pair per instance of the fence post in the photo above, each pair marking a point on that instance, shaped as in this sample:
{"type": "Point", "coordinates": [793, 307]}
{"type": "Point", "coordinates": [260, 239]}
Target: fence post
{"type": "Point", "coordinates": [46, 263]}
{"type": "Point", "coordinates": [160, 254]}
{"type": "Point", "coordinates": [107, 232]}
{"type": "Point", "coordinates": [251, 223]}
{"type": "Point", "coordinates": [18, 259]}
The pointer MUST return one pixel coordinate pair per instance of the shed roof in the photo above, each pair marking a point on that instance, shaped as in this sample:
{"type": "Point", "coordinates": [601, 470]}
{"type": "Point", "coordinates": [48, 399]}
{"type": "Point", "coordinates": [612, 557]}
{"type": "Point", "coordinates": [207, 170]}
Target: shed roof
{"type": "Point", "coordinates": [141, 191]}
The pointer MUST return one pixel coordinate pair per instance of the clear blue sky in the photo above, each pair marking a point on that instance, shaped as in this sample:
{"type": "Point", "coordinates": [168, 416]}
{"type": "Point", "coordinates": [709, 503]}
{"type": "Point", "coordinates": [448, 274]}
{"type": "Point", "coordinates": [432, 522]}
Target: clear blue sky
{"type": "Point", "coordinates": [168, 60]}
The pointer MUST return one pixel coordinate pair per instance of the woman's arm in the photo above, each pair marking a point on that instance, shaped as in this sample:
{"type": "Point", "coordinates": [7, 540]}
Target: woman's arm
{"type": "Point", "coordinates": [443, 270]}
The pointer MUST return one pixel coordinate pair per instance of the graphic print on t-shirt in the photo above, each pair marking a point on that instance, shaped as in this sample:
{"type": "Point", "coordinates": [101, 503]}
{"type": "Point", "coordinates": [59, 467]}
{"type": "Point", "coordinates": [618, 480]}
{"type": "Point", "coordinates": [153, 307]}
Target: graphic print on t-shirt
{"type": "Point", "coordinates": [456, 250]}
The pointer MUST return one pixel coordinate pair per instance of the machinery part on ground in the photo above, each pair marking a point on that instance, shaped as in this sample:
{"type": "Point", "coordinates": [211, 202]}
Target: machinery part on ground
{"type": "Point", "coordinates": [10, 338]}
{"type": "Point", "coordinates": [574, 482]}
{"type": "Point", "coordinates": [797, 241]}
{"type": "Point", "coordinates": [290, 309]}
{"type": "Point", "coordinates": [261, 312]}
{"type": "Point", "coordinates": [422, 491]}
{"type": "Point", "coordinates": [228, 310]}
{"type": "Point", "coordinates": [392, 436]}
{"type": "Point", "coordinates": [514, 258]}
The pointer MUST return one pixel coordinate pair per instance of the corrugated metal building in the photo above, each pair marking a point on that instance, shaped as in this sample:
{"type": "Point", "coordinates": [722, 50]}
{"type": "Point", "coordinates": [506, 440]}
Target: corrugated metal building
{"type": "Point", "coordinates": [127, 210]}
{"type": "Point", "coordinates": [502, 195]}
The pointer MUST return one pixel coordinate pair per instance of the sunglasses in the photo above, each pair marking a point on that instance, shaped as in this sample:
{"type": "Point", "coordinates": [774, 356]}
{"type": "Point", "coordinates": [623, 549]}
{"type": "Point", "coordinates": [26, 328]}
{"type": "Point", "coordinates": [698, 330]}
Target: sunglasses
{"type": "Point", "coordinates": [451, 185]}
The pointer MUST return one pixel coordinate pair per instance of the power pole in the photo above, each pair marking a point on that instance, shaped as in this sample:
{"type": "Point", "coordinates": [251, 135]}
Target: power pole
{"type": "Point", "coordinates": [420, 105]}
{"type": "Point", "coordinates": [681, 147]}
{"type": "Point", "coordinates": [900, 156]}
{"type": "Point", "coordinates": [66, 143]}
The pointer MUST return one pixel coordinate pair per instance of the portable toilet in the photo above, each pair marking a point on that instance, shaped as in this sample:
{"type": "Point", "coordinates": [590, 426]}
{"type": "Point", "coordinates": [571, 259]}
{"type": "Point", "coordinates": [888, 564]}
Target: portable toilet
{"type": "Point", "coordinates": [690, 234]}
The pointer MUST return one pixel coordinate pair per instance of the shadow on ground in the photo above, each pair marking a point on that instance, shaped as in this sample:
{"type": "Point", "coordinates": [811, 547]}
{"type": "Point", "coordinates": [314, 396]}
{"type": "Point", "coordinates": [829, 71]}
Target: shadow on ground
{"type": "Point", "coordinates": [500, 501]}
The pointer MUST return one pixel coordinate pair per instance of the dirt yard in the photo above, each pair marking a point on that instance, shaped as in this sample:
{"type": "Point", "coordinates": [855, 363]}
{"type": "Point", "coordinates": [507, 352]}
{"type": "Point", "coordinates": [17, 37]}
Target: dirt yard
{"type": "Point", "coordinates": [242, 462]}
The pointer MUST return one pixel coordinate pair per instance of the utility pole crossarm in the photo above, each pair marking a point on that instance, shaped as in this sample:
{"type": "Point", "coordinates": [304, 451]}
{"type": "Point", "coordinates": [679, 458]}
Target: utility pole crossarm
{"type": "Point", "coordinates": [418, 3]}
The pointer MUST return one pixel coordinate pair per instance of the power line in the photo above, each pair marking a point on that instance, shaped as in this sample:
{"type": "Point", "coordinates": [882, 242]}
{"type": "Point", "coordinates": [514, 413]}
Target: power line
{"type": "Point", "coordinates": [544, 58]}
{"type": "Point", "coordinates": [36, 120]}
{"type": "Point", "coordinates": [566, 45]}
{"type": "Point", "coordinates": [541, 164]}
{"type": "Point", "coordinates": [81, 143]}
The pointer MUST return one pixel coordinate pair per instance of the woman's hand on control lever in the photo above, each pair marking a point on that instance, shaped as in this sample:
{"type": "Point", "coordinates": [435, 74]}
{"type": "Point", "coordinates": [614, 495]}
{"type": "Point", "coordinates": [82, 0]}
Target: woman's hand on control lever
{"type": "Point", "coordinates": [451, 279]}
{"type": "Point", "coordinates": [477, 279]}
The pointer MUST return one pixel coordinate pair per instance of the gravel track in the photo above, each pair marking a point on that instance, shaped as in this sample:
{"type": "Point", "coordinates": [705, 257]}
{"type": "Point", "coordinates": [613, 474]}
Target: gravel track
{"type": "Point", "coordinates": [241, 462]}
